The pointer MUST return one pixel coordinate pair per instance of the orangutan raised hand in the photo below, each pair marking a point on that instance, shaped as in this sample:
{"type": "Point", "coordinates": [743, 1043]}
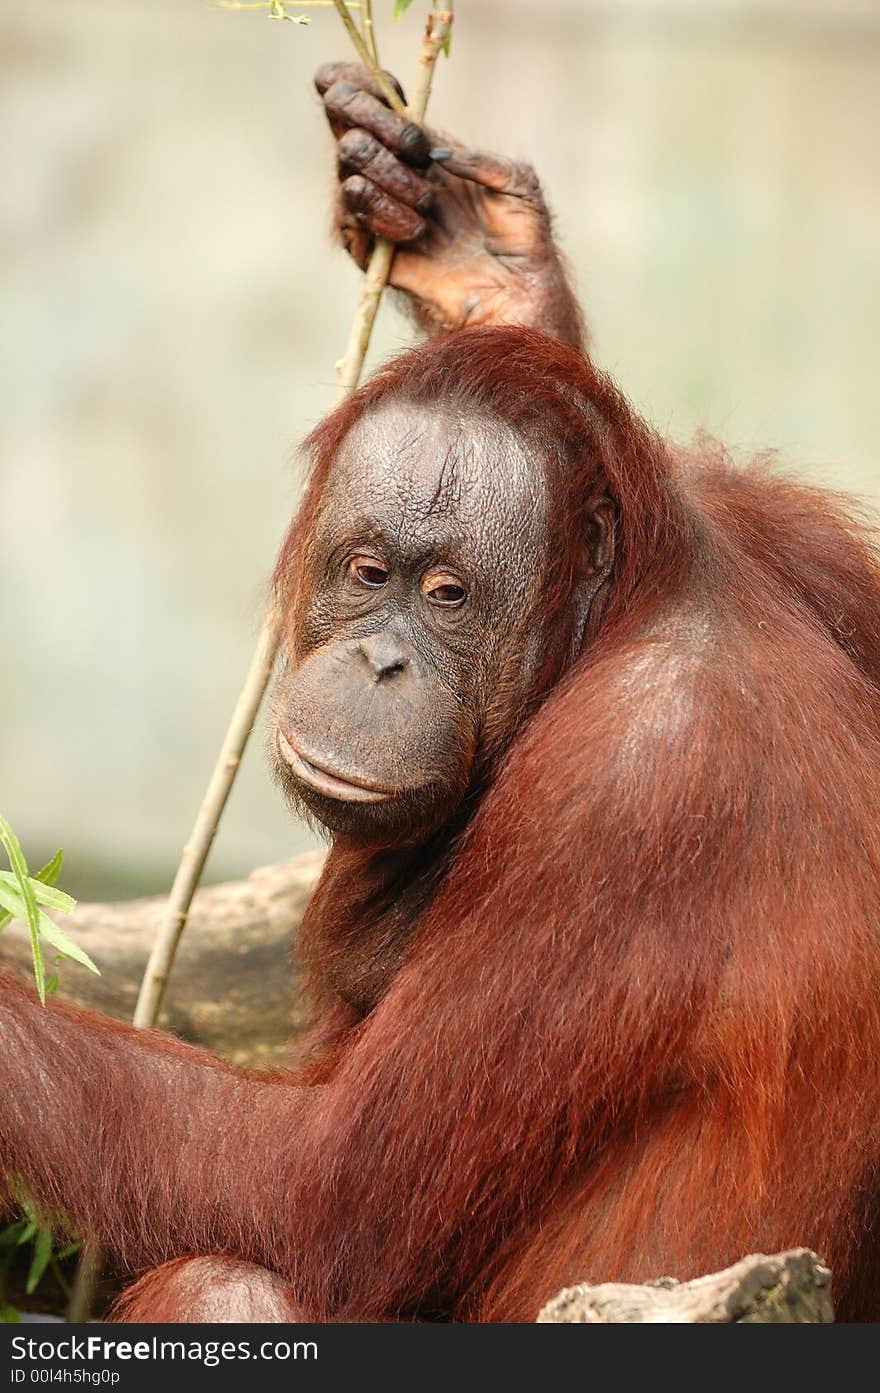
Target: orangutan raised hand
{"type": "Point", "coordinates": [474, 238]}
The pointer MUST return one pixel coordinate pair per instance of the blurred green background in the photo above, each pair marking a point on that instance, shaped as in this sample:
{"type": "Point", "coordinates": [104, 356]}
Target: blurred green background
{"type": "Point", "coordinates": [172, 310]}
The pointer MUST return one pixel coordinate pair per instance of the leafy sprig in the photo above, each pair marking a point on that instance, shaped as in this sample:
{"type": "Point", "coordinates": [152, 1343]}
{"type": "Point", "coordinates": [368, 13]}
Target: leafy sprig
{"type": "Point", "coordinates": [38, 1230]}
{"type": "Point", "coordinates": [27, 897]}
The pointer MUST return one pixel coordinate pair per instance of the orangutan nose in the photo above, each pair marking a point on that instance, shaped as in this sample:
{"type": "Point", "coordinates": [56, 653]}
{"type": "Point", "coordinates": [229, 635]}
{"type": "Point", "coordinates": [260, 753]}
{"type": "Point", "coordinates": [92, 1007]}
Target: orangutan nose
{"type": "Point", "coordinates": [385, 655]}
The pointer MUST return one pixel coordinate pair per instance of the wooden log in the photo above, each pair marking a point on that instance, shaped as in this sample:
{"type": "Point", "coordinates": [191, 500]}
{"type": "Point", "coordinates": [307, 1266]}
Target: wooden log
{"type": "Point", "coordinates": [234, 983]}
{"type": "Point", "coordinates": [789, 1288]}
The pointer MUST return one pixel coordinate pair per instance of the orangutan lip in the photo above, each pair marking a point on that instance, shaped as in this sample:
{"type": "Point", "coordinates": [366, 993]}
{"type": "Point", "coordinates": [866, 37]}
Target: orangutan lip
{"type": "Point", "coordinates": [323, 781]}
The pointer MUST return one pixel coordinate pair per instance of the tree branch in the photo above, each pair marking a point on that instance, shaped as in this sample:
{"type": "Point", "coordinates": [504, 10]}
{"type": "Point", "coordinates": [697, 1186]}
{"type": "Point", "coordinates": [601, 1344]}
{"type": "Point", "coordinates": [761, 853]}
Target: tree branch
{"type": "Point", "coordinates": [350, 365]}
{"type": "Point", "coordinates": [366, 57]}
{"type": "Point", "coordinates": [789, 1288]}
{"type": "Point", "coordinates": [197, 849]}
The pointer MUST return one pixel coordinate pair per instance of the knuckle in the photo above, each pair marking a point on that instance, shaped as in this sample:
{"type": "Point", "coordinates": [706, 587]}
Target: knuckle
{"type": "Point", "coordinates": [324, 76]}
{"type": "Point", "coordinates": [412, 142]}
{"type": "Point", "coordinates": [410, 231]}
{"type": "Point", "coordinates": [357, 146]}
{"type": "Point", "coordinates": [356, 191]}
{"type": "Point", "coordinates": [340, 93]}
{"type": "Point", "coordinates": [424, 201]}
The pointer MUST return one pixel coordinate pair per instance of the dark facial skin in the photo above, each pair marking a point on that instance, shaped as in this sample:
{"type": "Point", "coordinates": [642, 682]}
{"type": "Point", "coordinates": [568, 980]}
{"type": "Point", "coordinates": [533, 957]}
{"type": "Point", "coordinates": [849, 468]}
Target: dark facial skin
{"type": "Point", "coordinates": [425, 561]}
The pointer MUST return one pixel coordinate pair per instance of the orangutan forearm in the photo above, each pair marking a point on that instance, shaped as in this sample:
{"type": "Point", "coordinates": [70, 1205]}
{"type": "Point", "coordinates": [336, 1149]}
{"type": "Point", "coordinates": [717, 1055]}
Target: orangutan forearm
{"type": "Point", "coordinates": [113, 1127]}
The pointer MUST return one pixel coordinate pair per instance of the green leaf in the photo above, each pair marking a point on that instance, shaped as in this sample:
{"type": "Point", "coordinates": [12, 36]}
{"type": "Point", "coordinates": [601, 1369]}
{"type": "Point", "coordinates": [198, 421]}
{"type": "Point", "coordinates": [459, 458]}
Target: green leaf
{"type": "Point", "coordinates": [10, 1237]}
{"type": "Point", "coordinates": [44, 894]}
{"type": "Point", "coordinates": [32, 914]}
{"type": "Point", "coordinates": [69, 1250]}
{"type": "Point", "coordinates": [401, 7]}
{"type": "Point", "coordinates": [40, 1260]}
{"type": "Point", "coordinates": [9, 1316]}
{"type": "Point", "coordinates": [65, 944]}
{"type": "Point", "coordinates": [278, 10]}
{"type": "Point", "coordinates": [13, 902]}
{"type": "Point", "coordinates": [24, 1201]}
{"type": "Point", "coordinates": [48, 930]}
{"type": "Point", "coordinates": [49, 873]}
{"type": "Point", "coordinates": [29, 1231]}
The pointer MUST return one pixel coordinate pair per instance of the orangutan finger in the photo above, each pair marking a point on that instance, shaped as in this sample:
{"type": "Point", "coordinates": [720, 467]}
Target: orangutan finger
{"type": "Point", "coordinates": [358, 76]}
{"type": "Point", "coordinates": [491, 171]}
{"type": "Point", "coordinates": [356, 240]}
{"type": "Point", "coordinates": [360, 153]}
{"type": "Point", "coordinates": [379, 212]}
{"type": "Point", "coordinates": [347, 105]}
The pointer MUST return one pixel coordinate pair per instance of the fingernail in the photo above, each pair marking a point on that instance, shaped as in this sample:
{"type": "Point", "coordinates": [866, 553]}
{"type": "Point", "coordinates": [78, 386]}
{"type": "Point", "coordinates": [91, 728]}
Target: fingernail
{"type": "Point", "coordinates": [443, 152]}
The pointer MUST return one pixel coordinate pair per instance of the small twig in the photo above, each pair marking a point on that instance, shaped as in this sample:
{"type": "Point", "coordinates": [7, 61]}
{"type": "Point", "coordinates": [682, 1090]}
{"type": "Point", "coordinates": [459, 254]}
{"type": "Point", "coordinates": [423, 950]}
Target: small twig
{"type": "Point", "coordinates": [350, 365]}
{"type": "Point", "coordinates": [293, 4]}
{"type": "Point", "coordinates": [195, 853]}
{"type": "Point", "coordinates": [189, 873]}
{"type": "Point", "coordinates": [88, 1274]}
{"type": "Point", "coordinates": [55, 1269]}
{"type": "Point", "coordinates": [437, 33]}
{"type": "Point", "coordinates": [369, 31]}
{"type": "Point", "coordinates": [367, 59]}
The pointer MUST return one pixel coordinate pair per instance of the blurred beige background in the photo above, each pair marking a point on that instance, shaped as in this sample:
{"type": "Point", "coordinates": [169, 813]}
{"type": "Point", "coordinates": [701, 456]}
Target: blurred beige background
{"type": "Point", "coordinates": [172, 310]}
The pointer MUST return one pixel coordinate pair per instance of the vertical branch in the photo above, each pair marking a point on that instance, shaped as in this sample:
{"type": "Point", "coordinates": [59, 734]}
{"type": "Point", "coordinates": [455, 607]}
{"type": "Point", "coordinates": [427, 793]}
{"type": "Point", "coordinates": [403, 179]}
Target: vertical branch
{"type": "Point", "coordinates": [370, 32]}
{"type": "Point", "coordinates": [350, 365]}
{"type": "Point", "coordinates": [437, 32]}
{"type": "Point", "coordinates": [195, 853]}
{"type": "Point", "coordinates": [88, 1274]}
{"type": "Point", "coordinates": [366, 57]}
{"type": "Point", "coordinates": [197, 848]}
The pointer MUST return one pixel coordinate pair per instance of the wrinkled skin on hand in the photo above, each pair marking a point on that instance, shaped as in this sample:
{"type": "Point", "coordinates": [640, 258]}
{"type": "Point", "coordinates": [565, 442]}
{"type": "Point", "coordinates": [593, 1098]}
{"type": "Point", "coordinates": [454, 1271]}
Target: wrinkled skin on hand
{"type": "Point", "coordinates": [473, 233]}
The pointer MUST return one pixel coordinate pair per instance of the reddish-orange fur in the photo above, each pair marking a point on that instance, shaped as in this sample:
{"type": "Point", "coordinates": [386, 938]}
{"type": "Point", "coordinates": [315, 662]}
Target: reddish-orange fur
{"type": "Point", "coordinates": [633, 1026]}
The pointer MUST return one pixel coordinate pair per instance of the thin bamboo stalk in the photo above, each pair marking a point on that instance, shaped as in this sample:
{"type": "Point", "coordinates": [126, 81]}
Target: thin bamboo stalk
{"type": "Point", "coordinates": [369, 30]}
{"type": "Point", "coordinates": [366, 56]}
{"type": "Point", "coordinates": [88, 1274]}
{"type": "Point", "coordinates": [195, 852]}
{"type": "Point", "coordinates": [350, 365]}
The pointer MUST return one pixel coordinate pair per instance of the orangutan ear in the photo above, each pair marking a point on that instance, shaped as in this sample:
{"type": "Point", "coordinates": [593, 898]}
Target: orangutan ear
{"type": "Point", "coordinates": [598, 561]}
{"type": "Point", "coordinates": [601, 532]}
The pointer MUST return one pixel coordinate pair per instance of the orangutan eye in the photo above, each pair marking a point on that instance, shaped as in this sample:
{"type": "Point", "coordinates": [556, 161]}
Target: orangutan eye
{"type": "Point", "coordinates": [365, 570]}
{"type": "Point", "coordinates": [443, 590]}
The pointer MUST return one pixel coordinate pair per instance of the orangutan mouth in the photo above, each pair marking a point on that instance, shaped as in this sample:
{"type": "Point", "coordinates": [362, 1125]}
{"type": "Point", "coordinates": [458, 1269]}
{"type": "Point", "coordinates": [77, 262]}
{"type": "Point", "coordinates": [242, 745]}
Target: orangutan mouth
{"type": "Point", "coordinates": [331, 785]}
